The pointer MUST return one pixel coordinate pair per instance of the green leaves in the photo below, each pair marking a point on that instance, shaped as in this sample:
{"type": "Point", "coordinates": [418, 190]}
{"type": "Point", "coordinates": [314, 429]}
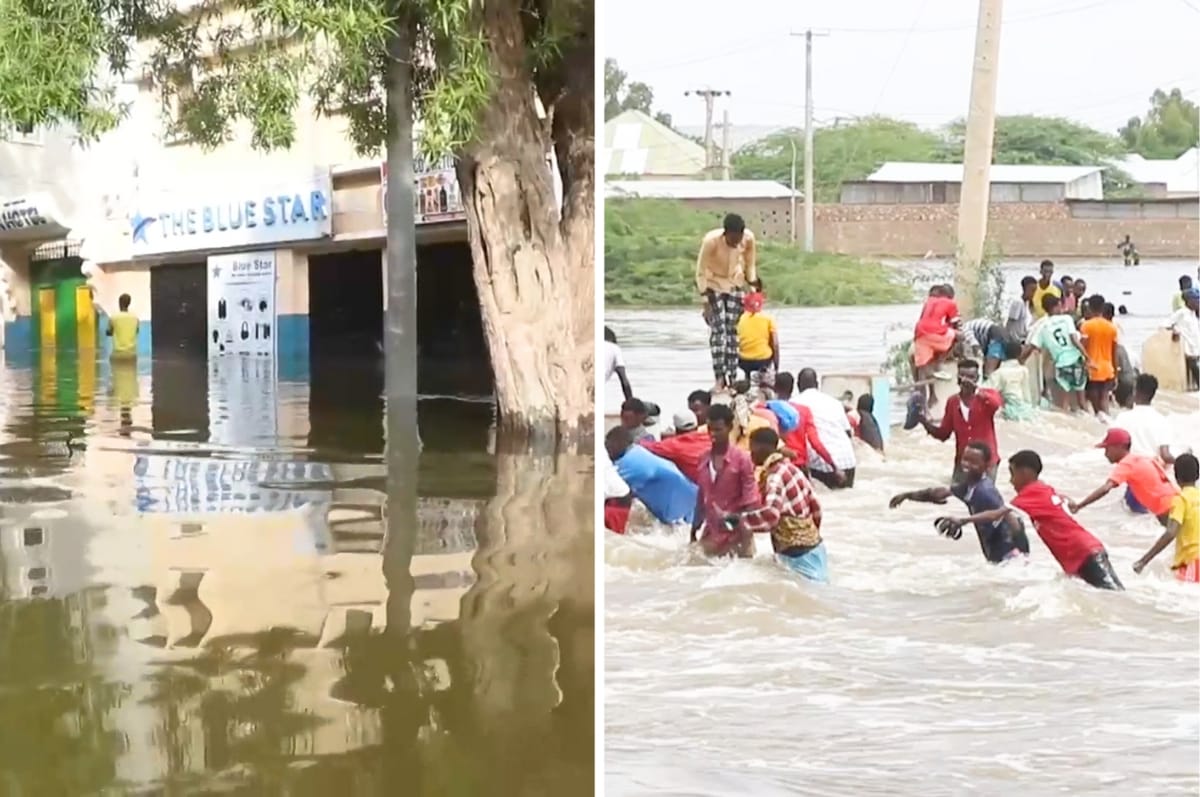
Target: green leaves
{"type": "Point", "coordinates": [1170, 128]}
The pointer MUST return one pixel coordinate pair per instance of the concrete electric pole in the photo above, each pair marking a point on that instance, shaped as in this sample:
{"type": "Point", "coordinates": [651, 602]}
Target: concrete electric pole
{"type": "Point", "coordinates": [977, 158]}
{"type": "Point", "coordinates": [726, 143]}
{"type": "Point", "coordinates": [808, 138]}
{"type": "Point", "coordinates": [710, 98]}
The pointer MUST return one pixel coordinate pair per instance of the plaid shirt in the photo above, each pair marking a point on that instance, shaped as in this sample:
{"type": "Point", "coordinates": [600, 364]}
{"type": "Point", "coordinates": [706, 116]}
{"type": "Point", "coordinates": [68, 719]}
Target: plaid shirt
{"type": "Point", "coordinates": [790, 509]}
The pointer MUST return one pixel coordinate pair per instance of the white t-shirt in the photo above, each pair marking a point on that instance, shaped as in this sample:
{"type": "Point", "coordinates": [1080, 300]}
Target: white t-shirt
{"type": "Point", "coordinates": [612, 360]}
{"type": "Point", "coordinates": [1148, 429]}
{"type": "Point", "coordinates": [1184, 322]}
{"type": "Point", "coordinates": [833, 427]}
{"type": "Point", "coordinates": [1019, 317]}
{"type": "Point", "coordinates": [614, 485]}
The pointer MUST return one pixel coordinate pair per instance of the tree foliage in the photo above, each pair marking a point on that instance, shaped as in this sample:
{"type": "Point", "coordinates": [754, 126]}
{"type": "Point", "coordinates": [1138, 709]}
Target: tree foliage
{"type": "Point", "coordinates": [840, 152]}
{"type": "Point", "coordinates": [853, 151]}
{"type": "Point", "coordinates": [1170, 128]}
{"type": "Point", "coordinates": [222, 63]}
{"type": "Point", "coordinates": [622, 96]}
{"type": "Point", "coordinates": [650, 249]}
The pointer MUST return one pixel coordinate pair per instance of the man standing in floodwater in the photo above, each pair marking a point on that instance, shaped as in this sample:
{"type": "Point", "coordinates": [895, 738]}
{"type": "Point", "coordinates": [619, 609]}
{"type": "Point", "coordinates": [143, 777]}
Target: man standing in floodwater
{"type": "Point", "coordinates": [726, 485]}
{"type": "Point", "coordinates": [123, 329]}
{"type": "Point", "coordinates": [969, 415]}
{"type": "Point", "coordinates": [1001, 539]}
{"type": "Point", "coordinates": [1044, 287]}
{"type": "Point", "coordinates": [726, 265]}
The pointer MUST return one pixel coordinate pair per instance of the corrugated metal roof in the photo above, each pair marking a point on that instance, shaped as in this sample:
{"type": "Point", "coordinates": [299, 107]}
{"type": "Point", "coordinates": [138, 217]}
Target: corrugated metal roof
{"type": "Point", "coordinates": [1181, 175]}
{"type": "Point", "coordinates": [637, 144]}
{"type": "Point", "coordinates": [902, 172]}
{"type": "Point", "coordinates": [696, 189]}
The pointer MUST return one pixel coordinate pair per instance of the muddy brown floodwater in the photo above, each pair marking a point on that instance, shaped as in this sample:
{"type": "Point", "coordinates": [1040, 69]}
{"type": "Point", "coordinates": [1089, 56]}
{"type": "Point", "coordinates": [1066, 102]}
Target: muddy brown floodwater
{"type": "Point", "coordinates": [920, 670]}
{"type": "Point", "coordinates": [211, 582]}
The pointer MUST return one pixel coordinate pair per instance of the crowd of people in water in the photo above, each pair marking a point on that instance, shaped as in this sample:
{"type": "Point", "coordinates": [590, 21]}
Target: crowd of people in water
{"type": "Point", "coordinates": [743, 456]}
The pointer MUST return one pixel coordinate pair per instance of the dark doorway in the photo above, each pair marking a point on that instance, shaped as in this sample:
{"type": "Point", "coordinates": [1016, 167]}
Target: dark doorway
{"type": "Point", "coordinates": [345, 315]}
{"type": "Point", "coordinates": [453, 353]}
{"type": "Point", "coordinates": [345, 304]}
{"type": "Point", "coordinates": [179, 368]}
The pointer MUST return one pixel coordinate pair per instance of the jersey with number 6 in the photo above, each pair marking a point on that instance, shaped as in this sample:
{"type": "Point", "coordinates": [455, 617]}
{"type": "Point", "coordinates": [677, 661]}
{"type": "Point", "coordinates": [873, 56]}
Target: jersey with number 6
{"type": "Point", "coordinates": [1070, 543]}
{"type": "Point", "coordinates": [1054, 338]}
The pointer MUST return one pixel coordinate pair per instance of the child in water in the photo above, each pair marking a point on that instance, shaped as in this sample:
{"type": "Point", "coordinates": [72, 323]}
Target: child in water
{"type": "Point", "coordinates": [1183, 524]}
{"type": "Point", "coordinates": [758, 341]}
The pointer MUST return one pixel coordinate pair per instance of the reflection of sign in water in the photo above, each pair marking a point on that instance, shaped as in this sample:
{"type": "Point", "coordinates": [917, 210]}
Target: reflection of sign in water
{"type": "Point", "coordinates": [243, 401]}
{"type": "Point", "coordinates": [241, 304]}
{"type": "Point", "coordinates": [436, 195]}
{"type": "Point", "coordinates": [446, 525]}
{"type": "Point", "coordinates": [197, 486]}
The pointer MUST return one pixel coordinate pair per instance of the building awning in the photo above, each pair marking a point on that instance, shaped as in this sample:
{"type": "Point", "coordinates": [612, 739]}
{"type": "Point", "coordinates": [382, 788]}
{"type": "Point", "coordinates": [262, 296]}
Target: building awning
{"type": "Point", "coordinates": [31, 218]}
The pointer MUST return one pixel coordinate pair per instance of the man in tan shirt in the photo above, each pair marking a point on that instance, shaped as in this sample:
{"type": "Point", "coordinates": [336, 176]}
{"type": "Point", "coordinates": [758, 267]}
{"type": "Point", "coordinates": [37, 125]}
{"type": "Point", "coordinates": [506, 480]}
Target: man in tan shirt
{"type": "Point", "coordinates": [725, 267]}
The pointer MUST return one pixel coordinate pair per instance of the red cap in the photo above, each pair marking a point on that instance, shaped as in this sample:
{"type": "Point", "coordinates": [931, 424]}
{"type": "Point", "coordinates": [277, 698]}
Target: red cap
{"type": "Point", "coordinates": [1115, 437]}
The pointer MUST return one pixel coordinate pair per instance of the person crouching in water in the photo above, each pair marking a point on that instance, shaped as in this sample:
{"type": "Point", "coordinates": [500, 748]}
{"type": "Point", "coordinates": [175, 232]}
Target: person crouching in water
{"type": "Point", "coordinates": [1001, 540]}
{"type": "Point", "coordinates": [789, 510]}
{"type": "Point", "coordinates": [1183, 525]}
{"type": "Point", "coordinates": [1075, 549]}
{"type": "Point", "coordinates": [758, 341]}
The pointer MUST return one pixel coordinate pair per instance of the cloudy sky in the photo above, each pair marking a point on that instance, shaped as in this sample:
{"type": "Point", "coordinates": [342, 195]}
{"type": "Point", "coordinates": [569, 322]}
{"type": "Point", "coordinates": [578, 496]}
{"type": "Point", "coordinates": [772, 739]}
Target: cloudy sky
{"type": "Point", "coordinates": [1093, 60]}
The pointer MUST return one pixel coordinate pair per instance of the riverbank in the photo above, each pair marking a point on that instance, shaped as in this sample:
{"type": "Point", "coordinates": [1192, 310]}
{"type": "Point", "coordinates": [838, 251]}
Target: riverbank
{"type": "Point", "coordinates": [650, 251]}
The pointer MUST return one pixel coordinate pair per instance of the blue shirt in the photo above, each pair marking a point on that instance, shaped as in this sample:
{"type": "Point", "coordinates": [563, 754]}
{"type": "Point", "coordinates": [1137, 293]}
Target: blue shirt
{"type": "Point", "coordinates": [667, 493]}
{"type": "Point", "coordinates": [996, 539]}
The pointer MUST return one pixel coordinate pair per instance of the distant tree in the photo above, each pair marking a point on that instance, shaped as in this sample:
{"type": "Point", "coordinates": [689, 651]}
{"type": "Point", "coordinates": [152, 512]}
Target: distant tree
{"type": "Point", "coordinates": [1048, 141]}
{"type": "Point", "coordinates": [841, 152]}
{"type": "Point", "coordinates": [635, 96]}
{"type": "Point", "coordinates": [1170, 128]}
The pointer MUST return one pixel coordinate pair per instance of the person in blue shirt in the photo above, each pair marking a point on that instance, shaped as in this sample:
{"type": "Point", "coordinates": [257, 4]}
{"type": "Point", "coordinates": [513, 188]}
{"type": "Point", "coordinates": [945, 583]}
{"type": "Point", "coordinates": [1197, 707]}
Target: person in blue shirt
{"type": "Point", "coordinates": [667, 493]}
{"type": "Point", "coordinates": [1000, 540]}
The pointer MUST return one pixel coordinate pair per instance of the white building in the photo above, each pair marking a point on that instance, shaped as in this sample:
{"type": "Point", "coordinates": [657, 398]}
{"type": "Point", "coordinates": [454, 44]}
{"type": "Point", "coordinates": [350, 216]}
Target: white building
{"type": "Point", "coordinates": [1165, 178]}
{"type": "Point", "coordinates": [941, 183]}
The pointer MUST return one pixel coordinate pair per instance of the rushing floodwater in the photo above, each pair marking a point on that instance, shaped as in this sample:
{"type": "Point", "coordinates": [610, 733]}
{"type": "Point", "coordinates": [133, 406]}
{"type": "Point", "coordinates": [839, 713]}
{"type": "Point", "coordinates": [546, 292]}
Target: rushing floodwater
{"type": "Point", "coordinates": [921, 670]}
{"type": "Point", "coordinates": [221, 583]}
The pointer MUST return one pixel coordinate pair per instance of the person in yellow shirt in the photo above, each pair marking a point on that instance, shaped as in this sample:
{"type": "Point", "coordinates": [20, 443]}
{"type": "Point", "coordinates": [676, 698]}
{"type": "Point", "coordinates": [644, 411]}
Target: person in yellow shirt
{"type": "Point", "coordinates": [758, 341]}
{"type": "Point", "coordinates": [725, 267]}
{"type": "Point", "coordinates": [1045, 287]}
{"type": "Point", "coordinates": [123, 329]}
{"type": "Point", "coordinates": [1183, 524]}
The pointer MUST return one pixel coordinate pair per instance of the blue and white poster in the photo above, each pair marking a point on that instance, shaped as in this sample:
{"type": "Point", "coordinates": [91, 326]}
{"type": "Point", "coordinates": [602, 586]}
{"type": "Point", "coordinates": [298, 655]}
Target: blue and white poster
{"type": "Point", "coordinates": [241, 304]}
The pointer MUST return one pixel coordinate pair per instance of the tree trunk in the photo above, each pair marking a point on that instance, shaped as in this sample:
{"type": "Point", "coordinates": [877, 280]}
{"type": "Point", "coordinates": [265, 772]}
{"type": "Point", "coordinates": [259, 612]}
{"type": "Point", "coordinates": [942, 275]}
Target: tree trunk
{"type": "Point", "coordinates": [533, 269]}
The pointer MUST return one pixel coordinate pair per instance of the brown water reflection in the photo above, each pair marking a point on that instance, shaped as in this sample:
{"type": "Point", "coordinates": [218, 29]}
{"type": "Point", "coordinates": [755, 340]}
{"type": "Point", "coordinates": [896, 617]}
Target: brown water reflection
{"type": "Point", "coordinates": [263, 614]}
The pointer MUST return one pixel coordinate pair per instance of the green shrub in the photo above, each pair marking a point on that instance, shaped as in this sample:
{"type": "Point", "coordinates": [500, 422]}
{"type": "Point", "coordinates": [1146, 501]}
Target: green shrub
{"type": "Point", "coordinates": [650, 249]}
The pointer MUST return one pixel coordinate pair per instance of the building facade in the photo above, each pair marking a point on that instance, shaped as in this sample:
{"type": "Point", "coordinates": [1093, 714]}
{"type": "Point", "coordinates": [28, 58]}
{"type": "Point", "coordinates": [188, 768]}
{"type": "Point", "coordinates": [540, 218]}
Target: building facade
{"type": "Point", "coordinates": [897, 183]}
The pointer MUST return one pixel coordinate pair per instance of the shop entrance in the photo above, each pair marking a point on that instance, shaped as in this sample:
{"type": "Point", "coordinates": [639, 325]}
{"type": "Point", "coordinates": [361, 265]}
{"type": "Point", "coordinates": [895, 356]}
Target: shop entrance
{"type": "Point", "coordinates": [179, 368]}
{"type": "Point", "coordinates": [453, 351]}
{"type": "Point", "coordinates": [345, 304]}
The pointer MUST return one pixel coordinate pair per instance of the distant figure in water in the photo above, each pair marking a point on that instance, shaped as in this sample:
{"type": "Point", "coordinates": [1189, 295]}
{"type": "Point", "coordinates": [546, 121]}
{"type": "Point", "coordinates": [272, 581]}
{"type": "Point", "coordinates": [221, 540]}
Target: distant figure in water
{"type": "Point", "coordinates": [1129, 252]}
{"type": "Point", "coordinates": [614, 363]}
{"type": "Point", "coordinates": [1001, 540]}
{"type": "Point", "coordinates": [868, 424]}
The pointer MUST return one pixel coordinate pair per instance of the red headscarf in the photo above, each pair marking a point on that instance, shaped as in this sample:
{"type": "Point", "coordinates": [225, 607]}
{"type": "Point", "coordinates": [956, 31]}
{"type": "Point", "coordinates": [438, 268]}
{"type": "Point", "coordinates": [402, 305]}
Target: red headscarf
{"type": "Point", "coordinates": [753, 302]}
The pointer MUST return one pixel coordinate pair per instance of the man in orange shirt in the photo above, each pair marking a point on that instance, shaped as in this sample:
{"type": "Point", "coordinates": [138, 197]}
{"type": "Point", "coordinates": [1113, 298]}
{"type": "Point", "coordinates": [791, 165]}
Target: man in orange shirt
{"type": "Point", "coordinates": [1146, 478]}
{"type": "Point", "coordinates": [1100, 340]}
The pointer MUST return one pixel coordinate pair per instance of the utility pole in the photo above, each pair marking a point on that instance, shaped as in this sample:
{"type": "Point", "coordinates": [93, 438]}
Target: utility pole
{"type": "Point", "coordinates": [726, 138]}
{"type": "Point", "coordinates": [808, 138]}
{"type": "Point", "coordinates": [710, 98]}
{"type": "Point", "coordinates": [977, 157]}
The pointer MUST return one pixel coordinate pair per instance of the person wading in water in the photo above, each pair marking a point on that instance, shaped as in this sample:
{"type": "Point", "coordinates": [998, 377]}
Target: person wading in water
{"type": "Point", "coordinates": [725, 267]}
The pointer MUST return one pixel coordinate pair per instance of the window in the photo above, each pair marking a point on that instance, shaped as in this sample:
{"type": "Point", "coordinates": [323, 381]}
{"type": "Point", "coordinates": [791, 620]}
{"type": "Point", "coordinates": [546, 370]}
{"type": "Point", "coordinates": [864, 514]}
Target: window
{"type": "Point", "coordinates": [181, 88]}
{"type": "Point", "coordinates": [33, 537]}
{"type": "Point", "coordinates": [37, 573]}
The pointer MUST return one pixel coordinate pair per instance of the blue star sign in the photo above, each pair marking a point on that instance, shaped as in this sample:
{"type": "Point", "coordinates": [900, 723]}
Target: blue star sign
{"type": "Point", "coordinates": [139, 225]}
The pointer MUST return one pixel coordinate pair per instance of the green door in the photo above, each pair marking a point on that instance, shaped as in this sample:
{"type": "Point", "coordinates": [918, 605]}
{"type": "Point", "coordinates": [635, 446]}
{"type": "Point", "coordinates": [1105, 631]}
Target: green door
{"type": "Point", "coordinates": [63, 277]}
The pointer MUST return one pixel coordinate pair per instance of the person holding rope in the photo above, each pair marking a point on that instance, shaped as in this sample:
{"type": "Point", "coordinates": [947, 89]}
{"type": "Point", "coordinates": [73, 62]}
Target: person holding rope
{"type": "Point", "coordinates": [725, 267]}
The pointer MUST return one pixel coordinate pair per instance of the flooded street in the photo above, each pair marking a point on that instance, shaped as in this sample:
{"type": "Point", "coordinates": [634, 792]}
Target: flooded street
{"type": "Point", "coordinates": [921, 669]}
{"type": "Point", "coordinates": [218, 580]}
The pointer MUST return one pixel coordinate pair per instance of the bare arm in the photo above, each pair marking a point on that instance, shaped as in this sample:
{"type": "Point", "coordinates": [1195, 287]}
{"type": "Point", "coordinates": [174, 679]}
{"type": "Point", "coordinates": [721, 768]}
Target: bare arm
{"type": "Point", "coordinates": [1093, 497]}
{"type": "Point", "coordinates": [775, 349]}
{"type": "Point", "coordinates": [750, 258]}
{"type": "Point", "coordinates": [930, 495]}
{"type": "Point", "coordinates": [626, 388]}
{"type": "Point", "coordinates": [1159, 545]}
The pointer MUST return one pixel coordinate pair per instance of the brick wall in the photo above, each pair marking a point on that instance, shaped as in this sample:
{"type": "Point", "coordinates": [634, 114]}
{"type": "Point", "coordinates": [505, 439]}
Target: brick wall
{"type": "Point", "coordinates": [1016, 229]}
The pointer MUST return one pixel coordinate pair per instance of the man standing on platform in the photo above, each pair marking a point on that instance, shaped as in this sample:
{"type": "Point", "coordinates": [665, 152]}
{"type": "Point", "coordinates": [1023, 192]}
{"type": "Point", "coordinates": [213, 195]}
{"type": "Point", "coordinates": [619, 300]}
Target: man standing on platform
{"type": "Point", "coordinates": [725, 267]}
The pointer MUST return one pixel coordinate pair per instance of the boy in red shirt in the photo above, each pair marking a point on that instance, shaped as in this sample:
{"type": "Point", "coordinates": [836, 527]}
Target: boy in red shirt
{"type": "Point", "coordinates": [1077, 551]}
{"type": "Point", "coordinates": [934, 334]}
{"type": "Point", "coordinates": [970, 416]}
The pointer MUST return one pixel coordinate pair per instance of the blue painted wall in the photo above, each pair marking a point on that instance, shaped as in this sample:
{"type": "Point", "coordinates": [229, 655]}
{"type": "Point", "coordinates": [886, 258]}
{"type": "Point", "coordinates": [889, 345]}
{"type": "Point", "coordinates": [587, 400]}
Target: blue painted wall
{"type": "Point", "coordinates": [292, 338]}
